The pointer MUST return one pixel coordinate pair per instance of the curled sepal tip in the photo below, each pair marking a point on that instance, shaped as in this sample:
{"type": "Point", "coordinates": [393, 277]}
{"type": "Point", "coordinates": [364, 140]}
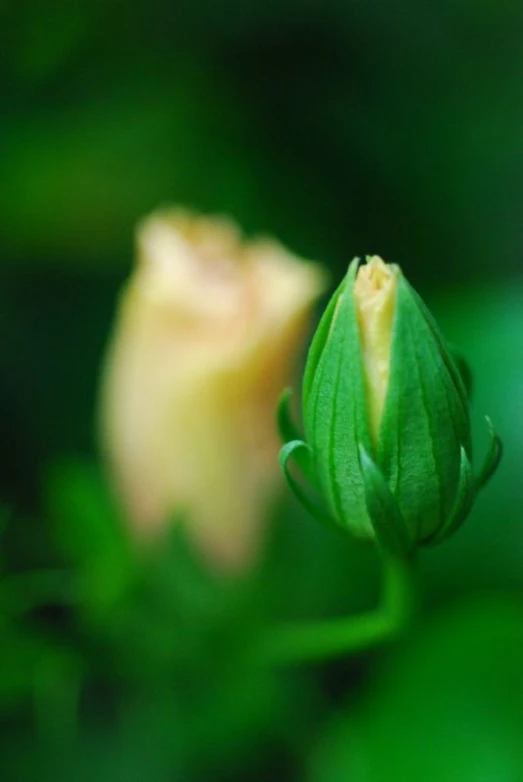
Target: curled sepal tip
{"type": "Point", "coordinates": [286, 427]}
{"type": "Point", "coordinates": [289, 433]}
{"type": "Point", "coordinates": [463, 369]}
{"type": "Point", "coordinates": [493, 457]}
{"type": "Point", "coordinates": [389, 526]}
{"type": "Point", "coordinates": [300, 451]}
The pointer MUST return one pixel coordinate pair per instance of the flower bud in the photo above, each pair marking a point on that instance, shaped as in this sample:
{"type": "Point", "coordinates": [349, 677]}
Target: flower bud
{"type": "Point", "coordinates": [206, 333]}
{"type": "Point", "coordinates": [386, 416]}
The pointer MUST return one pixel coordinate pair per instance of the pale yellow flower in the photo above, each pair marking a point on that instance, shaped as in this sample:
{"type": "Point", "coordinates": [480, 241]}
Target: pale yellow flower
{"type": "Point", "coordinates": [209, 330]}
{"type": "Point", "coordinates": [375, 297]}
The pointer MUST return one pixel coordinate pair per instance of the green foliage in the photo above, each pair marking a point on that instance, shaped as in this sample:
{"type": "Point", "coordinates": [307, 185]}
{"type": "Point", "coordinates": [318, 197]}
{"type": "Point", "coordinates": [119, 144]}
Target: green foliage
{"type": "Point", "coordinates": [447, 706]}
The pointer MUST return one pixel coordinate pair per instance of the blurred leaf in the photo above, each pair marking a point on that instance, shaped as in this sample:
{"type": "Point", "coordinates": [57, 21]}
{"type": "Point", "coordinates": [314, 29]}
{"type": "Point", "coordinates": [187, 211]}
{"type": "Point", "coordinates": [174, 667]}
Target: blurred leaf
{"type": "Point", "coordinates": [241, 715]}
{"type": "Point", "coordinates": [143, 745]}
{"type": "Point", "coordinates": [179, 614]}
{"type": "Point", "coordinates": [19, 657]}
{"type": "Point", "coordinates": [448, 708]}
{"type": "Point", "coordinates": [154, 603]}
{"type": "Point", "coordinates": [90, 533]}
{"type": "Point", "coordinates": [24, 659]}
{"type": "Point", "coordinates": [23, 592]}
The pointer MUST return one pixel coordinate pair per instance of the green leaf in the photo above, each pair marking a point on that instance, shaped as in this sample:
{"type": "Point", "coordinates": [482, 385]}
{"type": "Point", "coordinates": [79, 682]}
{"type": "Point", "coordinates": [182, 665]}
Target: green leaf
{"type": "Point", "coordinates": [388, 523]}
{"type": "Point", "coordinates": [493, 457]}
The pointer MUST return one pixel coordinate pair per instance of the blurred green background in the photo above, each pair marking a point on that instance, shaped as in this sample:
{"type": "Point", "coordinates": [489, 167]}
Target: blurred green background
{"type": "Point", "coordinates": [343, 128]}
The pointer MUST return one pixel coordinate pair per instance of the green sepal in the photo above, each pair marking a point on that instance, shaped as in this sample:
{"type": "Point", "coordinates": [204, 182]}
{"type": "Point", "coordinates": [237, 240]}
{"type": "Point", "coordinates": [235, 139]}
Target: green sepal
{"type": "Point", "coordinates": [286, 427]}
{"type": "Point", "coordinates": [389, 525]}
{"type": "Point", "coordinates": [493, 457]}
{"type": "Point", "coordinates": [335, 415]}
{"type": "Point", "coordinates": [318, 342]}
{"type": "Point", "coordinates": [289, 432]}
{"type": "Point", "coordinates": [465, 496]}
{"type": "Point", "coordinates": [425, 419]}
{"type": "Point", "coordinates": [310, 505]}
{"type": "Point", "coordinates": [463, 369]}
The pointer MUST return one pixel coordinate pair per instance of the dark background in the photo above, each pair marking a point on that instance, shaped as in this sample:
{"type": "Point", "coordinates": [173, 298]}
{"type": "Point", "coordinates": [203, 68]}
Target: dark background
{"type": "Point", "coordinates": [343, 128]}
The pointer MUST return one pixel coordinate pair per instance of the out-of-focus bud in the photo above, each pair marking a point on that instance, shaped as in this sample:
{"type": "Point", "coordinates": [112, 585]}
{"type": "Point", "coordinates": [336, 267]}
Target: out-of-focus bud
{"type": "Point", "coordinates": [386, 416]}
{"type": "Point", "coordinates": [208, 330]}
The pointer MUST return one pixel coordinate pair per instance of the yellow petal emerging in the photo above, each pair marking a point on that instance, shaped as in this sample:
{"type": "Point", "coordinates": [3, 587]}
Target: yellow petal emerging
{"type": "Point", "coordinates": [206, 336]}
{"type": "Point", "coordinates": [375, 297]}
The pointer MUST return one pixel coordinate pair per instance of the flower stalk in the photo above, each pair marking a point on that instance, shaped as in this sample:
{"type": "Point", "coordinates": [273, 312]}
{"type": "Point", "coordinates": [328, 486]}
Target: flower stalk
{"type": "Point", "coordinates": [310, 642]}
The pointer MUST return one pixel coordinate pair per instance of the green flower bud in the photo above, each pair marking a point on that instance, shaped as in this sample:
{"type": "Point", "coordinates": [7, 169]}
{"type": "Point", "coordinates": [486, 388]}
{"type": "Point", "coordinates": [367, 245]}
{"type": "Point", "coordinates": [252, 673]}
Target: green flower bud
{"type": "Point", "coordinates": [386, 416]}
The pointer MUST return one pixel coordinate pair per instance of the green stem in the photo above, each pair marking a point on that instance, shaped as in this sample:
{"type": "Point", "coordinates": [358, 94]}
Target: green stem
{"type": "Point", "coordinates": [315, 641]}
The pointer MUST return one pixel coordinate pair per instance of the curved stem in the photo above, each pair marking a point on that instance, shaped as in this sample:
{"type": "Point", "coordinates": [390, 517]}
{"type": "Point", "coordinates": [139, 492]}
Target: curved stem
{"type": "Point", "coordinates": [315, 641]}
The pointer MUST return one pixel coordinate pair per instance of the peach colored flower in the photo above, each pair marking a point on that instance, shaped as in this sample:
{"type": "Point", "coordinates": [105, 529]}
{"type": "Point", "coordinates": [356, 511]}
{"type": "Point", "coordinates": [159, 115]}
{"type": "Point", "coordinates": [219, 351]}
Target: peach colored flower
{"type": "Point", "coordinates": [208, 332]}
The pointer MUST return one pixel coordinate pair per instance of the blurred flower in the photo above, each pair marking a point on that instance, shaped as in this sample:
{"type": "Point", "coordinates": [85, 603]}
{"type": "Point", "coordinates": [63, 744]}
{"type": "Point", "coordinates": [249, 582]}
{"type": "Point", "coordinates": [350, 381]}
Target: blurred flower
{"type": "Point", "coordinates": [208, 330]}
{"type": "Point", "coordinates": [386, 415]}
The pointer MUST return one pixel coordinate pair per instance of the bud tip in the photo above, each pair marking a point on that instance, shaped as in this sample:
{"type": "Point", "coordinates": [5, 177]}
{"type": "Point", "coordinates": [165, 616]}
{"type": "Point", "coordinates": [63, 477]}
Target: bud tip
{"type": "Point", "coordinates": [375, 298]}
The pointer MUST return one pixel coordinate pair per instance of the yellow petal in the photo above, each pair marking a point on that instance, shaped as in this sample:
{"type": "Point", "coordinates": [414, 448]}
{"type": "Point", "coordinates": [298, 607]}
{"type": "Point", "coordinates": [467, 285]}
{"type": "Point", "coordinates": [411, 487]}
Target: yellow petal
{"type": "Point", "coordinates": [375, 298]}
